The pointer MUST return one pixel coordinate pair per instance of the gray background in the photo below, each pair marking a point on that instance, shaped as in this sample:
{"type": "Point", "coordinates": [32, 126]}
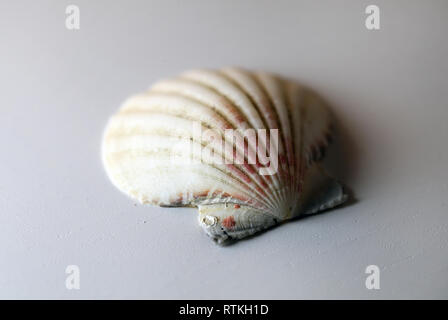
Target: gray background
{"type": "Point", "coordinates": [388, 89]}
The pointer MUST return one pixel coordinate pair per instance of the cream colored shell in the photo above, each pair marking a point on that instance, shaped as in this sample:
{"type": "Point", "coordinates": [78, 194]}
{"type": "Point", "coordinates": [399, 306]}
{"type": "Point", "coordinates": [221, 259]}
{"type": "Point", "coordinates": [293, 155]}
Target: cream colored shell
{"type": "Point", "coordinates": [235, 200]}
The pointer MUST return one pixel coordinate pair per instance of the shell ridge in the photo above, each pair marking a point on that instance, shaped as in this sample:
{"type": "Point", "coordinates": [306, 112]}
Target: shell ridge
{"type": "Point", "coordinates": [219, 90]}
{"type": "Point", "coordinates": [200, 172]}
{"type": "Point", "coordinates": [166, 132]}
{"type": "Point", "coordinates": [278, 147]}
{"type": "Point", "coordinates": [231, 170]}
{"type": "Point", "coordinates": [295, 96]}
{"type": "Point", "coordinates": [186, 87]}
{"type": "Point", "coordinates": [284, 166]}
{"type": "Point", "coordinates": [292, 155]}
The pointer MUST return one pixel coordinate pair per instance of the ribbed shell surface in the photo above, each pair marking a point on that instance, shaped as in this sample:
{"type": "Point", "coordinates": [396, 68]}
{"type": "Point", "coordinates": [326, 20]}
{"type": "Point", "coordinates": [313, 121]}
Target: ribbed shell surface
{"type": "Point", "coordinates": [141, 139]}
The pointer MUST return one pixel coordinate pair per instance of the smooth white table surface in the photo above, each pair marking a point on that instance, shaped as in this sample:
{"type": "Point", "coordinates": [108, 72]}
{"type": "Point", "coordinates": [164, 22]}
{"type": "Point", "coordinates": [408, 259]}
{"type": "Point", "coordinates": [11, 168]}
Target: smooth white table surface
{"type": "Point", "coordinates": [388, 89]}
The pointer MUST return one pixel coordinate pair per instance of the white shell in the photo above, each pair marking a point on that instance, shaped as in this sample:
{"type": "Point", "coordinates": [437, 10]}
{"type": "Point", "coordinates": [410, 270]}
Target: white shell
{"type": "Point", "coordinates": [152, 152]}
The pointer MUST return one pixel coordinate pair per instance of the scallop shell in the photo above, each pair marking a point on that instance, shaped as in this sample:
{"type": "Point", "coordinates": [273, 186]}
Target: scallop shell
{"type": "Point", "coordinates": [189, 141]}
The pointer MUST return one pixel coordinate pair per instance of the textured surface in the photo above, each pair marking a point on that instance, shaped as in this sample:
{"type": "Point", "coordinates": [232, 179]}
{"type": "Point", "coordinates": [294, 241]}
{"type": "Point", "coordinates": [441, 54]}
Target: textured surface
{"type": "Point", "coordinates": [195, 141]}
{"type": "Point", "coordinates": [57, 207]}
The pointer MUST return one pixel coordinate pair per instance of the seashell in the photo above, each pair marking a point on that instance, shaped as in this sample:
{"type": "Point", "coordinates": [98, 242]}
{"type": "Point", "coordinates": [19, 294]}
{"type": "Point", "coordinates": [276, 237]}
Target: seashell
{"type": "Point", "coordinates": [244, 147]}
